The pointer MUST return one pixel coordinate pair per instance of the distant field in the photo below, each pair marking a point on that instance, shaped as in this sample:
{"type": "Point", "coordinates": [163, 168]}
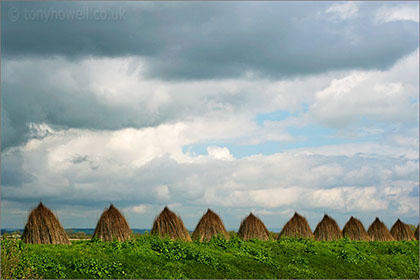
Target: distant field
{"type": "Point", "coordinates": [151, 257]}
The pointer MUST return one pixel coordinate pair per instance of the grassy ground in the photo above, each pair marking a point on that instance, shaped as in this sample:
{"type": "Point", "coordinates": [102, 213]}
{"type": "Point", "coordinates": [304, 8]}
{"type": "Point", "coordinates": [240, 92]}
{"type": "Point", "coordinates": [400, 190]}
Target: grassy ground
{"type": "Point", "coordinates": [151, 257]}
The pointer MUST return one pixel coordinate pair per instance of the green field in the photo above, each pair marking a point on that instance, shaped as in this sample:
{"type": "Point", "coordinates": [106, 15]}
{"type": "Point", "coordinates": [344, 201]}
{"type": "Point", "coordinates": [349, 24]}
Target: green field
{"type": "Point", "coordinates": [148, 256]}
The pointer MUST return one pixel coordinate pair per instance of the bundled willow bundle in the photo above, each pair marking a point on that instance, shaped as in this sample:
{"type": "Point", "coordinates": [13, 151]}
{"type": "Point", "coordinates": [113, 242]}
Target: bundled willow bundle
{"type": "Point", "coordinates": [208, 226]}
{"type": "Point", "coordinates": [401, 231]}
{"type": "Point", "coordinates": [169, 224]}
{"type": "Point", "coordinates": [43, 227]}
{"type": "Point", "coordinates": [327, 230]}
{"type": "Point", "coordinates": [297, 226]}
{"type": "Point", "coordinates": [355, 230]}
{"type": "Point", "coordinates": [252, 227]}
{"type": "Point", "coordinates": [379, 232]}
{"type": "Point", "coordinates": [112, 225]}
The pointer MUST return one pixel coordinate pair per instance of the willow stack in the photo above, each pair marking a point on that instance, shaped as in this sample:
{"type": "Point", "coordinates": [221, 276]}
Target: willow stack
{"type": "Point", "coordinates": [43, 227]}
{"type": "Point", "coordinates": [169, 224]}
{"type": "Point", "coordinates": [327, 230]}
{"type": "Point", "coordinates": [209, 225]}
{"type": "Point", "coordinates": [112, 225]}
{"type": "Point", "coordinates": [252, 227]}
{"type": "Point", "coordinates": [297, 227]}
{"type": "Point", "coordinates": [355, 230]}
{"type": "Point", "coordinates": [379, 232]}
{"type": "Point", "coordinates": [401, 231]}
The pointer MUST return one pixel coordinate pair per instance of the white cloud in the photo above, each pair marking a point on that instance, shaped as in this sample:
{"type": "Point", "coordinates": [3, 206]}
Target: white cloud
{"type": "Point", "coordinates": [337, 183]}
{"type": "Point", "coordinates": [349, 199]}
{"type": "Point", "coordinates": [383, 96]}
{"type": "Point", "coordinates": [397, 12]}
{"type": "Point", "coordinates": [344, 10]}
{"type": "Point", "coordinates": [162, 193]}
{"type": "Point", "coordinates": [403, 140]}
{"type": "Point", "coordinates": [221, 153]}
{"type": "Point", "coordinates": [275, 197]}
{"type": "Point", "coordinates": [407, 168]}
{"type": "Point", "coordinates": [364, 149]}
{"type": "Point", "coordinates": [140, 208]}
{"type": "Point", "coordinates": [264, 211]}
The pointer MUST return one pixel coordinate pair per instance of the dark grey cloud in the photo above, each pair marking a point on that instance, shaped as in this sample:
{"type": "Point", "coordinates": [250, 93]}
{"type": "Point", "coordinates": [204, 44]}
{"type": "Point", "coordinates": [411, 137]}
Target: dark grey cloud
{"type": "Point", "coordinates": [216, 40]}
{"type": "Point", "coordinates": [12, 171]}
{"type": "Point", "coordinates": [24, 103]}
{"type": "Point", "coordinates": [79, 159]}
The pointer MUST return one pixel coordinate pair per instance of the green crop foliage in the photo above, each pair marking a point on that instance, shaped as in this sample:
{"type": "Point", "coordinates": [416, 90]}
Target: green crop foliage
{"type": "Point", "coordinates": [148, 256]}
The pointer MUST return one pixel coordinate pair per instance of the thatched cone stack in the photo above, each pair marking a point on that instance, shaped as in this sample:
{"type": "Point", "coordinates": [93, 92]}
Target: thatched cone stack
{"type": "Point", "coordinates": [401, 231]}
{"type": "Point", "coordinates": [327, 230]}
{"type": "Point", "coordinates": [297, 226]}
{"type": "Point", "coordinates": [208, 226]}
{"type": "Point", "coordinates": [252, 227]}
{"type": "Point", "coordinates": [416, 233]}
{"type": "Point", "coordinates": [379, 232]}
{"type": "Point", "coordinates": [169, 224]}
{"type": "Point", "coordinates": [112, 225]}
{"type": "Point", "coordinates": [43, 227]}
{"type": "Point", "coordinates": [355, 230]}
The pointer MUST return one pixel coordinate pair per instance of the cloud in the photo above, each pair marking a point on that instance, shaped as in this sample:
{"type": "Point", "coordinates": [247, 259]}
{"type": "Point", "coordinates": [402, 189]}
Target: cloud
{"type": "Point", "coordinates": [218, 40]}
{"type": "Point", "coordinates": [406, 169]}
{"type": "Point", "coordinates": [344, 10]}
{"type": "Point", "coordinates": [349, 199]}
{"type": "Point", "coordinates": [275, 197]}
{"type": "Point", "coordinates": [140, 209]}
{"type": "Point", "coordinates": [112, 94]}
{"type": "Point", "coordinates": [162, 192]}
{"type": "Point", "coordinates": [378, 95]}
{"type": "Point", "coordinates": [397, 13]}
{"type": "Point", "coordinates": [363, 184]}
{"type": "Point", "coordinates": [12, 173]}
{"type": "Point", "coordinates": [365, 148]}
{"type": "Point", "coordinates": [220, 153]}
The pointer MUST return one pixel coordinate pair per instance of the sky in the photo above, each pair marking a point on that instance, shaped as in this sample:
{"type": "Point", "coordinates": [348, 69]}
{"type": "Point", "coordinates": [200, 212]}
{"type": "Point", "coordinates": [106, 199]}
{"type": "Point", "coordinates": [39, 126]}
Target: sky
{"type": "Point", "coordinates": [263, 107]}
